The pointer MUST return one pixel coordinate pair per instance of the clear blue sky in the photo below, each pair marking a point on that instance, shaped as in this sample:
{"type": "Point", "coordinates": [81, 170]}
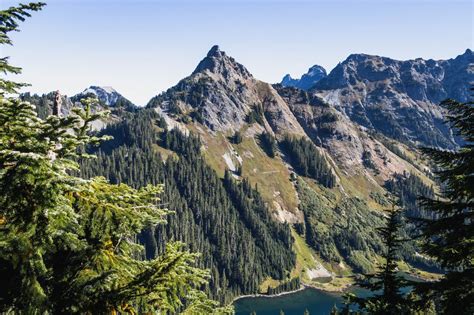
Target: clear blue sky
{"type": "Point", "coordinates": [144, 47]}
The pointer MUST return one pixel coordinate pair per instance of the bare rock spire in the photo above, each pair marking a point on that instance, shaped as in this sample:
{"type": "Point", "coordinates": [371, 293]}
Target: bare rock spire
{"type": "Point", "coordinates": [57, 104]}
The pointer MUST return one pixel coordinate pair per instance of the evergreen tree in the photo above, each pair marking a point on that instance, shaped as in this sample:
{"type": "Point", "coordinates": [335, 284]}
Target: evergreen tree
{"type": "Point", "coordinates": [237, 137]}
{"type": "Point", "coordinates": [268, 144]}
{"type": "Point", "coordinates": [448, 236]}
{"type": "Point", "coordinates": [256, 115]}
{"type": "Point", "coordinates": [385, 284]}
{"type": "Point", "coordinates": [68, 244]}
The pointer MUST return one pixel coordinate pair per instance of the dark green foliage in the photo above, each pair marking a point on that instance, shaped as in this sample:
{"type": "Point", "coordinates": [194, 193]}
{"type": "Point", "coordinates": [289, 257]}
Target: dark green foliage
{"type": "Point", "coordinates": [300, 228]}
{"type": "Point", "coordinates": [386, 284]}
{"type": "Point", "coordinates": [268, 144]}
{"type": "Point", "coordinates": [239, 170]}
{"type": "Point", "coordinates": [256, 115]}
{"type": "Point", "coordinates": [197, 116]}
{"type": "Point", "coordinates": [237, 137]}
{"type": "Point", "coordinates": [68, 244]}
{"type": "Point", "coordinates": [9, 20]}
{"type": "Point", "coordinates": [448, 234]}
{"type": "Point", "coordinates": [408, 188]}
{"type": "Point", "coordinates": [225, 220]}
{"type": "Point", "coordinates": [344, 233]}
{"type": "Point", "coordinates": [174, 109]}
{"type": "Point", "coordinates": [176, 141]}
{"type": "Point", "coordinates": [392, 146]}
{"type": "Point", "coordinates": [123, 103]}
{"type": "Point", "coordinates": [42, 103]}
{"type": "Point", "coordinates": [290, 285]}
{"type": "Point", "coordinates": [186, 91]}
{"type": "Point", "coordinates": [136, 131]}
{"type": "Point", "coordinates": [307, 161]}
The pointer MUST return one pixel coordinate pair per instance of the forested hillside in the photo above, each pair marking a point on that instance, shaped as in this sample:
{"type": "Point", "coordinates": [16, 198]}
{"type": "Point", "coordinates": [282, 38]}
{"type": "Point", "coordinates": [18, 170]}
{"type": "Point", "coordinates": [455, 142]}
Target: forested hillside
{"type": "Point", "coordinates": [224, 219]}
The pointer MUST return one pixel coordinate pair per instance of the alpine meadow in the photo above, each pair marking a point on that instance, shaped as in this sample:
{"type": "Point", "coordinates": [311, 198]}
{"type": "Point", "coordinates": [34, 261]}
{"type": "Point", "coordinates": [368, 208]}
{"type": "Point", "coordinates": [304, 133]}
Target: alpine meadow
{"type": "Point", "coordinates": [349, 191]}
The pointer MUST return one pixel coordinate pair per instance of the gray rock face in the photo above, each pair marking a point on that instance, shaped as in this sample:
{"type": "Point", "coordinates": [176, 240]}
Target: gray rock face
{"type": "Point", "coordinates": [221, 93]}
{"type": "Point", "coordinates": [399, 98]}
{"type": "Point", "coordinates": [307, 81]}
{"type": "Point", "coordinates": [346, 142]}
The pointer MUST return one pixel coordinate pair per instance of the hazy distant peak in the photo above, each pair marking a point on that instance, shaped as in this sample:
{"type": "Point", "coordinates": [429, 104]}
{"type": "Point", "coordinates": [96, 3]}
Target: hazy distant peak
{"type": "Point", "coordinates": [307, 80]}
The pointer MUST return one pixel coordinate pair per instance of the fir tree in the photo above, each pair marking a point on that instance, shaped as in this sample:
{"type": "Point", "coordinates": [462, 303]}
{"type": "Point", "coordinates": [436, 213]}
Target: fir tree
{"type": "Point", "coordinates": [268, 144]}
{"type": "Point", "coordinates": [237, 137]}
{"type": "Point", "coordinates": [448, 236]}
{"type": "Point", "coordinates": [385, 284]}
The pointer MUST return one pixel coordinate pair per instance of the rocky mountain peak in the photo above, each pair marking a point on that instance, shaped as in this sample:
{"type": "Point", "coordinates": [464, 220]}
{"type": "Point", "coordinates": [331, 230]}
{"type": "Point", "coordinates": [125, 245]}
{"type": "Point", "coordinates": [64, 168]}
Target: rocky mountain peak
{"type": "Point", "coordinates": [215, 52]}
{"type": "Point", "coordinates": [106, 94]}
{"type": "Point", "coordinates": [219, 63]}
{"type": "Point", "coordinates": [307, 80]}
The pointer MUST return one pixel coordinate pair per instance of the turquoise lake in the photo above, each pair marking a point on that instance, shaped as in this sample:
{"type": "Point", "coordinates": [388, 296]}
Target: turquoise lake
{"type": "Point", "coordinates": [317, 302]}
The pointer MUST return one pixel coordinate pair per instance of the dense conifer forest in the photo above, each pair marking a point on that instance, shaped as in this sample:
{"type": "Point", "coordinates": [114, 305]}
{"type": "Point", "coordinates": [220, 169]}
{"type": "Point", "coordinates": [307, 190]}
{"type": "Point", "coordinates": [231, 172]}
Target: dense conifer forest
{"type": "Point", "coordinates": [308, 161]}
{"type": "Point", "coordinates": [226, 220]}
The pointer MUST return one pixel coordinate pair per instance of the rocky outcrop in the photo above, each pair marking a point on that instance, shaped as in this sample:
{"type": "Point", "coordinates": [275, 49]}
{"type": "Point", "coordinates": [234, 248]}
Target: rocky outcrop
{"type": "Point", "coordinates": [352, 147]}
{"type": "Point", "coordinates": [399, 98]}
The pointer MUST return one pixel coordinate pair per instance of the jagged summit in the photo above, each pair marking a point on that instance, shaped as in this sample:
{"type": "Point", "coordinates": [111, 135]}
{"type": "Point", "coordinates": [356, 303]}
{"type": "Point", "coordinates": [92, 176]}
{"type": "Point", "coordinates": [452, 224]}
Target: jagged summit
{"type": "Point", "coordinates": [308, 80]}
{"type": "Point", "coordinates": [215, 51]}
{"type": "Point", "coordinates": [221, 93]}
{"type": "Point", "coordinates": [218, 62]}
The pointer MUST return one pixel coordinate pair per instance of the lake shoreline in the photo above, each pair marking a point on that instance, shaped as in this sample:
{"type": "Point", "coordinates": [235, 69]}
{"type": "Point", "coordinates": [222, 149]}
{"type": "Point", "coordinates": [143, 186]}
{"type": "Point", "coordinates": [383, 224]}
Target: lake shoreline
{"type": "Point", "coordinates": [304, 286]}
{"type": "Point", "coordinates": [312, 286]}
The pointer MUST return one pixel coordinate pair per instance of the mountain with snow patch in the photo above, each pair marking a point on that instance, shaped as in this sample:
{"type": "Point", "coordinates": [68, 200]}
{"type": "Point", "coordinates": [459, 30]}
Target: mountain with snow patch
{"type": "Point", "coordinates": [106, 94]}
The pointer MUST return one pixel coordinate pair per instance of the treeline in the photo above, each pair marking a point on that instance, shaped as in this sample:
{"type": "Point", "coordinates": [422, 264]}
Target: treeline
{"type": "Point", "coordinates": [287, 286]}
{"type": "Point", "coordinates": [225, 220]}
{"type": "Point", "coordinates": [268, 143]}
{"type": "Point", "coordinates": [409, 188]}
{"type": "Point", "coordinates": [307, 160]}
